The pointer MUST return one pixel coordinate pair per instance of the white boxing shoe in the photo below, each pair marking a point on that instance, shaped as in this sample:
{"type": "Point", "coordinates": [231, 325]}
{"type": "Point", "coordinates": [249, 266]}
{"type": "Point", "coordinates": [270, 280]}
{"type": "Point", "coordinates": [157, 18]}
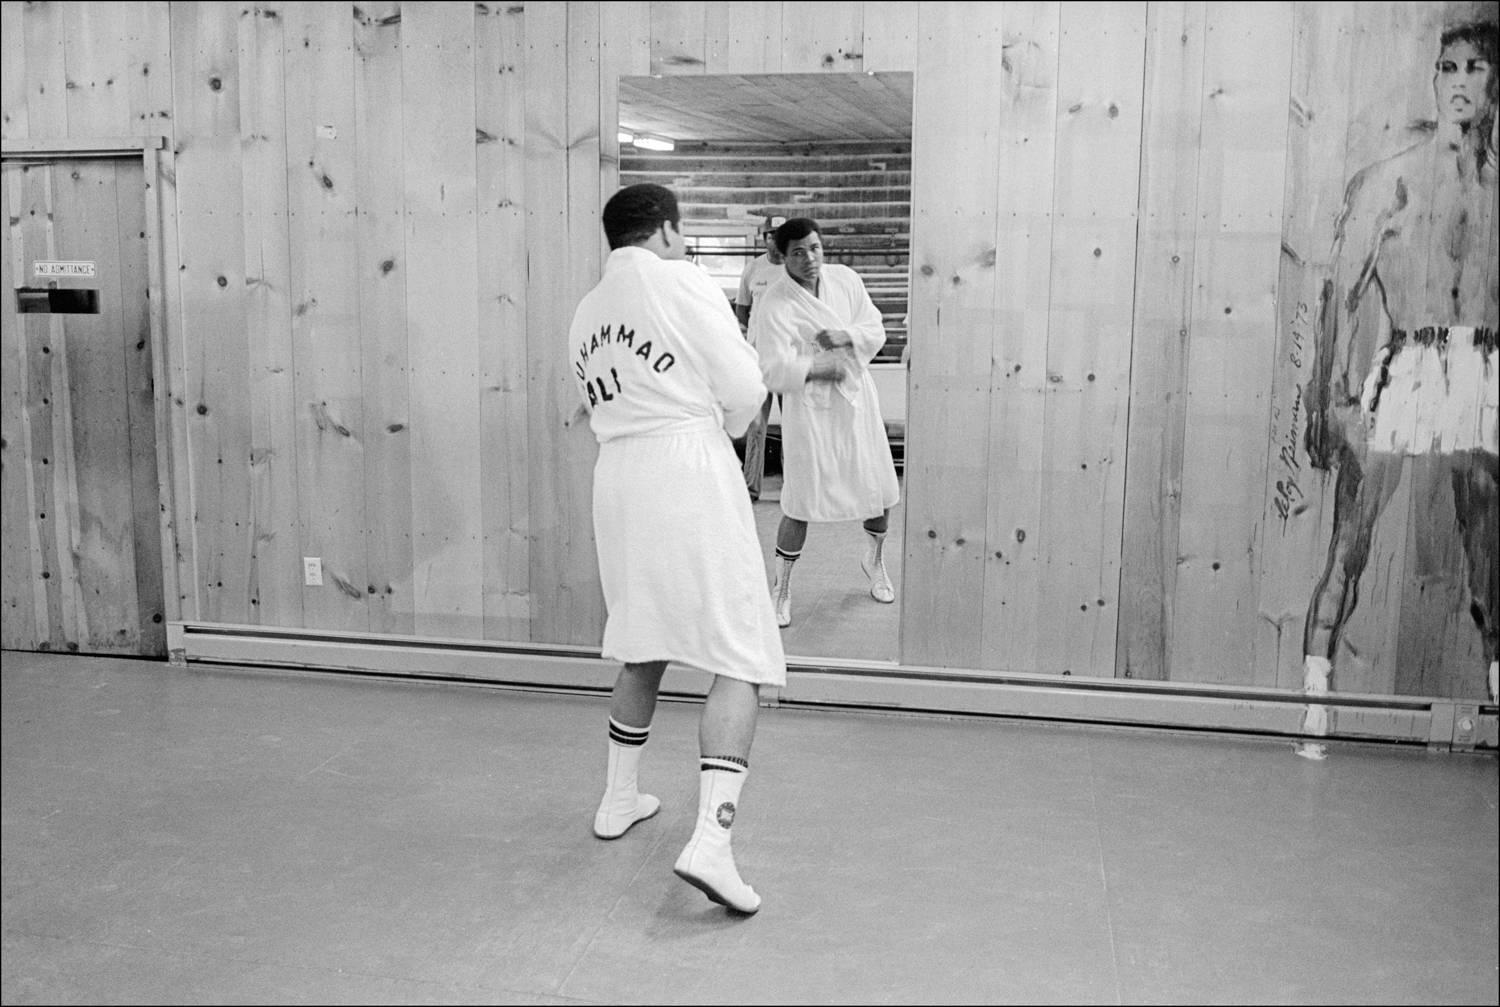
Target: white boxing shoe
{"type": "Point", "coordinates": [781, 592]}
{"type": "Point", "coordinates": [873, 564]}
{"type": "Point", "coordinates": [707, 862]}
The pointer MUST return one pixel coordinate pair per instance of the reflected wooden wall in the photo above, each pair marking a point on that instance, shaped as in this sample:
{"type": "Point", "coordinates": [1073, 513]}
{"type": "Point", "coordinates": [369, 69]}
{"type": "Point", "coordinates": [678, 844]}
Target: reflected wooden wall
{"type": "Point", "coordinates": [382, 215]}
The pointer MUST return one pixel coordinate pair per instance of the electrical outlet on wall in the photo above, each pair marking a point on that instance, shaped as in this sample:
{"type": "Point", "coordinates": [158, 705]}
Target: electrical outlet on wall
{"type": "Point", "coordinates": [312, 570]}
{"type": "Point", "coordinates": [1465, 727]}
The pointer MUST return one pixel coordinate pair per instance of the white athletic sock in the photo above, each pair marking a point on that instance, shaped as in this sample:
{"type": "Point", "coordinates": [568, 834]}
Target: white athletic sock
{"type": "Point", "coordinates": [623, 805]}
{"type": "Point", "coordinates": [1494, 681]}
{"type": "Point", "coordinates": [873, 564]}
{"type": "Point", "coordinates": [1315, 674]}
{"type": "Point", "coordinates": [707, 862]}
{"type": "Point", "coordinates": [781, 590]}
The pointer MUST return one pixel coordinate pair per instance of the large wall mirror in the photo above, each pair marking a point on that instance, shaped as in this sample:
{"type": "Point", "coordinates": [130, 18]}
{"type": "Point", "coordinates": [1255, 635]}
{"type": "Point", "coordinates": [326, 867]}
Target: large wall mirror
{"type": "Point", "coordinates": [739, 150]}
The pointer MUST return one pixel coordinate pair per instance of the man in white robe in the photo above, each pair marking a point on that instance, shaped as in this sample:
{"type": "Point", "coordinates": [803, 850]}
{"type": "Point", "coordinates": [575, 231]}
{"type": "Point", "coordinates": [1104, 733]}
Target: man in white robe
{"type": "Point", "coordinates": [816, 331]}
{"type": "Point", "coordinates": [667, 379]}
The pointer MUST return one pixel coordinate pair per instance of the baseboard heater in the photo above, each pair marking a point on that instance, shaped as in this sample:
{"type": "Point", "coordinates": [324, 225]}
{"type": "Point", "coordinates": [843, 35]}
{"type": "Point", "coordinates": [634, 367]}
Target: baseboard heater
{"type": "Point", "coordinates": [816, 683]}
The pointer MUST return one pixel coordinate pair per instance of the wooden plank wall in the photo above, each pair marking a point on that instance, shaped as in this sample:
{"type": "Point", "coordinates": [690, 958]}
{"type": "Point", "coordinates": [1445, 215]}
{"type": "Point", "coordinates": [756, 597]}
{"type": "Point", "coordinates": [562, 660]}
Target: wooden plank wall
{"type": "Point", "coordinates": [1246, 76]}
{"type": "Point", "coordinates": [380, 217]}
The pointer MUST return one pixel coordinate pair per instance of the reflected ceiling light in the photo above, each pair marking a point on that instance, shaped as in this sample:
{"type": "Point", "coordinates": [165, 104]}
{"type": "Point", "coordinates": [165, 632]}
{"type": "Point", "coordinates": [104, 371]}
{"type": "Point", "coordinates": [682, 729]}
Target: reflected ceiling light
{"type": "Point", "coordinates": [624, 137]}
{"type": "Point", "coordinates": [654, 143]}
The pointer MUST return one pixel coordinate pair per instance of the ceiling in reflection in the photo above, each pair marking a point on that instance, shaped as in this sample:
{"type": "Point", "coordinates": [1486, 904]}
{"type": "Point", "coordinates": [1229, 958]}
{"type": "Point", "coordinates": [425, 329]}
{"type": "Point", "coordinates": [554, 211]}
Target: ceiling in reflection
{"type": "Point", "coordinates": [779, 108]}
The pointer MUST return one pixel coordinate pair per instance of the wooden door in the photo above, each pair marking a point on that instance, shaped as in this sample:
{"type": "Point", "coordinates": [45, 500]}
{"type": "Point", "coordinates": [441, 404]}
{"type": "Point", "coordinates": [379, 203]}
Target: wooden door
{"type": "Point", "coordinates": [82, 562]}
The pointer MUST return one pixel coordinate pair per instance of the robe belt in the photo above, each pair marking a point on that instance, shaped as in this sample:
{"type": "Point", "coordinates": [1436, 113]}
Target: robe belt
{"type": "Point", "coordinates": [686, 425]}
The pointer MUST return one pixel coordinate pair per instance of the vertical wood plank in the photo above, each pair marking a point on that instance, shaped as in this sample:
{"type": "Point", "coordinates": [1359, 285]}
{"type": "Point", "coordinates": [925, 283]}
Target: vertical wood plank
{"type": "Point", "coordinates": [1101, 54]}
{"type": "Point", "coordinates": [442, 318]}
{"type": "Point", "coordinates": [102, 542]}
{"type": "Point", "coordinates": [1298, 515]}
{"type": "Point", "coordinates": [385, 379]}
{"type": "Point", "coordinates": [547, 255]}
{"type": "Point", "coordinates": [321, 192]}
{"type": "Point", "coordinates": [22, 600]}
{"type": "Point", "coordinates": [956, 115]}
{"type": "Point", "coordinates": [1159, 354]}
{"type": "Point", "coordinates": [169, 366]}
{"type": "Point", "coordinates": [48, 411]}
{"type": "Point", "coordinates": [890, 36]}
{"type": "Point", "coordinates": [585, 147]}
{"type": "Point", "coordinates": [748, 36]}
{"type": "Point", "coordinates": [679, 36]}
{"type": "Point", "coordinates": [13, 72]}
{"type": "Point", "coordinates": [46, 71]}
{"type": "Point", "coordinates": [275, 535]}
{"type": "Point", "coordinates": [209, 263]}
{"type": "Point", "coordinates": [24, 189]}
{"type": "Point", "coordinates": [1247, 65]}
{"type": "Point", "coordinates": [822, 37]}
{"type": "Point", "coordinates": [136, 282]}
{"type": "Point", "coordinates": [146, 58]}
{"type": "Point", "coordinates": [567, 606]}
{"type": "Point", "coordinates": [586, 248]}
{"type": "Point", "coordinates": [98, 81]}
{"type": "Point", "coordinates": [1018, 369]}
{"type": "Point", "coordinates": [500, 105]}
{"type": "Point", "coordinates": [718, 36]}
{"type": "Point", "coordinates": [624, 51]}
{"type": "Point", "coordinates": [148, 68]}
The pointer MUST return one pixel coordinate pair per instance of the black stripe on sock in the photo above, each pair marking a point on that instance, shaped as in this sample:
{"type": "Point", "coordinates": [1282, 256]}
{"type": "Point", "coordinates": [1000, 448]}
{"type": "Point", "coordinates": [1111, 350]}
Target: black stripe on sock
{"type": "Point", "coordinates": [726, 763]}
{"type": "Point", "coordinates": [793, 556]}
{"type": "Point", "coordinates": [631, 737]}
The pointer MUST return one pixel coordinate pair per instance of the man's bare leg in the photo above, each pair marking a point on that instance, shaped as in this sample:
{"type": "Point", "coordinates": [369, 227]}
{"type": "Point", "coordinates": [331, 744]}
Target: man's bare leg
{"type": "Point", "coordinates": [725, 734]}
{"type": "Point", "coordinates": [791, 535]}
{"type": "Point", "coordinates": [1476, 503]}
{"type": "Point", "coordinates": [873, 560]}
{"type": "Point", "coordinates": [1361, 495]}
{"type": "Point", "coordinates": [630, 712]}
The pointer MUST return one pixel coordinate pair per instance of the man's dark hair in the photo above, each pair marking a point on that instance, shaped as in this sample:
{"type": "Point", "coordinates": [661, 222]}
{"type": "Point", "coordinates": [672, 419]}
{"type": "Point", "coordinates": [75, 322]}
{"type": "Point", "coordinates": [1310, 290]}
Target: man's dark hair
{"type": "Point", "coordinates": [794, 230]}
{"type": "Point", "coordinates": [635, 213]}
{"type": "Point", "coordinates": [1485, 37]}
{"type": "Point", "coordinates": [1482, 35]}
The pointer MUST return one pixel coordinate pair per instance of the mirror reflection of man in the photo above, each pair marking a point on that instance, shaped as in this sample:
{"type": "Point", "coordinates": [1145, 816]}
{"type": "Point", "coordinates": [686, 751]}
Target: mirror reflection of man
{"type": "Point", "coordinates": [1417, 237]}
{"type": "Point", "coordinates": [816, 332]}
{"type": "Point", "coordinates": [760, 272]}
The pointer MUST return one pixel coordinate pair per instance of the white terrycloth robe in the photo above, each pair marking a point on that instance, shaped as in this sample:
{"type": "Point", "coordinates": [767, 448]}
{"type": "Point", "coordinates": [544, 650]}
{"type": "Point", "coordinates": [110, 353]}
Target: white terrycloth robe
{"type": "Point", "coordinates": [657, 355]}
{"type": "Point", "coordinates": [836, 459]}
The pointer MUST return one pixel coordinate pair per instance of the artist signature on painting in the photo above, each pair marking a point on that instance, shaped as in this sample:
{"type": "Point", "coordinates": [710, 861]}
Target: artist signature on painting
{"type": "Point", "coordinates": [1289, 498]}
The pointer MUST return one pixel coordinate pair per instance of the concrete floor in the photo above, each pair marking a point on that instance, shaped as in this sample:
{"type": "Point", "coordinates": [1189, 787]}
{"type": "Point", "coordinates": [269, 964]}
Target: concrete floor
{"type": "Point", "coordinates": [224, 835]}
{"type": "Point", "coordinates": [833, 615]}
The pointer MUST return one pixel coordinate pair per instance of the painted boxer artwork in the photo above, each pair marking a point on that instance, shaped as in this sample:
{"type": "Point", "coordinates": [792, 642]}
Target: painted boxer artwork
{"type": "Point", "coordinates": [1415, 239]}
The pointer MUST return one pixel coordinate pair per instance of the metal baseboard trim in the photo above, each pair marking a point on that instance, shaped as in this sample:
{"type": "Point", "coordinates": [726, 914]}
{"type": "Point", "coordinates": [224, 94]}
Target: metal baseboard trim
{"type": "Point", "coordinates": [1439, 724]}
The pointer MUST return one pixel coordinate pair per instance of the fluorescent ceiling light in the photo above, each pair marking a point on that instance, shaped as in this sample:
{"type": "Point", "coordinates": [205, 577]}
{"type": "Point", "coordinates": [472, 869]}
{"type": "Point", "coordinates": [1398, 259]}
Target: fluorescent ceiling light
{"type": "Point", "coordinates": [654, 143]}
{"type": "Point", "coordinates": [624, 137]}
